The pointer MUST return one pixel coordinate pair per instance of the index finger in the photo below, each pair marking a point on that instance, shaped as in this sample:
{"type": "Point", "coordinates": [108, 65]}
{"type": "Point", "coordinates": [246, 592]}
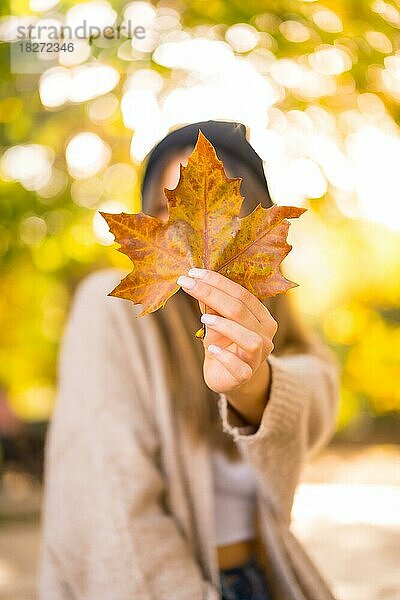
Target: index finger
{"type": "Point", "coordinates": [235, 290]}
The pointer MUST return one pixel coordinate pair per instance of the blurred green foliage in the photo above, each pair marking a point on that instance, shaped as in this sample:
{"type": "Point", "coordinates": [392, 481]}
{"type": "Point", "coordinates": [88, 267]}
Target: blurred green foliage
{"type": "Point", "coordinates": [47, 240]}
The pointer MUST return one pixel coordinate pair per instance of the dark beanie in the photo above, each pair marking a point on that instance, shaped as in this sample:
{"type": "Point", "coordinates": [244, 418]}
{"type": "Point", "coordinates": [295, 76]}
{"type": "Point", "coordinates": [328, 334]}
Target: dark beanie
{"type": "Point", "coordinates": [227, 137]}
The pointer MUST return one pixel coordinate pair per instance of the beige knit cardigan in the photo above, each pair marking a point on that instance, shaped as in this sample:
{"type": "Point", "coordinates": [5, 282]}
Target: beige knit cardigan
{"type": "Point", "coordinates": [128, 507]}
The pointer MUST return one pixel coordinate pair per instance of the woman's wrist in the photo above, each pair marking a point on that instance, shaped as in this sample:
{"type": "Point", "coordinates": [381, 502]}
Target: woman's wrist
{"type": "Point", "coordinates": [250, 399]}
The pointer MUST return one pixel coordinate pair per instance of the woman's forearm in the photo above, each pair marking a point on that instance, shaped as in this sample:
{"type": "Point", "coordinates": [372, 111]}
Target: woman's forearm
{"type": "Point", "coordinates": [251, 398]}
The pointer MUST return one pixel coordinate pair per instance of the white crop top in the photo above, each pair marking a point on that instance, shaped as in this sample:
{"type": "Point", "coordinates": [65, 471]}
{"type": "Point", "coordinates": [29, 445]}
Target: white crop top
{"type": "Point", "coordinates": [235, 485]}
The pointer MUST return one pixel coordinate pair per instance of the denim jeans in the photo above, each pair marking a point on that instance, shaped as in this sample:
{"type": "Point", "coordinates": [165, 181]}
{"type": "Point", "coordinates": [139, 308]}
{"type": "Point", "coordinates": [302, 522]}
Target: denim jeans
{"type": "Point", "coordinates": [244, 583]}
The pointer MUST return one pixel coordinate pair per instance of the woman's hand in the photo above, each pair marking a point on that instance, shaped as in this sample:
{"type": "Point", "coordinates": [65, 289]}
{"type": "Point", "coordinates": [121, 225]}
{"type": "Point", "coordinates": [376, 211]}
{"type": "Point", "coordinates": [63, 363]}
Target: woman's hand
{"type": "Point", "coordinates": [237, 343]}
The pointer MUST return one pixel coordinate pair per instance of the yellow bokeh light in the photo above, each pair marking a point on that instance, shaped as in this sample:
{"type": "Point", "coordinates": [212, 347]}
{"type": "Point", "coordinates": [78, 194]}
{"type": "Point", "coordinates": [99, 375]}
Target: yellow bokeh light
{"type": "Point", "coordinates": [42, 5]}
{"type": "Point", "coordinates": [79, 84]}
{"type": "Point", "coordinates": [86, 155]}
{"type": "Point", "coordinates": [330, 60]}
{"type": "Point", "coordinates": [294, 31]}
{"type": "Point", "coordinates": [379, 41]}
{"type": "Point", "coordinates": [242, 37]}
{"type": "Point", "coordinates": [327, 20]}
{"type": "Point", "coordinates": [103, 108]}
{"type": "Point", "coordinates": [28, 163]}
{"type": "Point", "coordinates": [97, 13]}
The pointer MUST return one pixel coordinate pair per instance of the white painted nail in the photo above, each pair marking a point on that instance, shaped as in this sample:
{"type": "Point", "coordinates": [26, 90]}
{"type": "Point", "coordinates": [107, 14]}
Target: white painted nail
{"type": "Point", "coordinates": [186, 282]}
{"type": "Point", "coordinates": [214, 349]}
{"type": "Point", "coordinates": [208, 319]}
{"type": "Point", "coordinates": [198, 273]}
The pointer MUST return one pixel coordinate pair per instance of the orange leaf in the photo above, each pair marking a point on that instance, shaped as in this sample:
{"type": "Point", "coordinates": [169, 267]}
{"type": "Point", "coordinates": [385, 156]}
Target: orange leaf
{"type": "Point", "coordinates": [203, 230]}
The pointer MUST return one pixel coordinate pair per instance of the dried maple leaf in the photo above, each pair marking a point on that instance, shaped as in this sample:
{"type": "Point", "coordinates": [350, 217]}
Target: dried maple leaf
{"type": "Point", "coordinates": [203, 230]}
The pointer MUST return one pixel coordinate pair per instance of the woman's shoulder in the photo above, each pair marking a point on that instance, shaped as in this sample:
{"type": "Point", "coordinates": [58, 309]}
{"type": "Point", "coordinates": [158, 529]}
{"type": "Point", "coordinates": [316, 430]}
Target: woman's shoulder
{"type": "Point", "coordinates": [94, 289]}
{"type": "Point", "coordinates": [99, 282]}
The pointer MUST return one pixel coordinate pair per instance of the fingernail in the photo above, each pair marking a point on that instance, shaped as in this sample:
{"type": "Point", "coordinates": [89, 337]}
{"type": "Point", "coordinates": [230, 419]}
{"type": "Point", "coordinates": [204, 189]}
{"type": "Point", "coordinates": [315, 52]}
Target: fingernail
{"type": "Point", "coordinates": [214, 349]}
{"type": "Point", "coordinates": [198, 273]}
{"type": "Point", "coordinates": [186, 282]}
{"type": "Point", "coordinates": [208, 319]}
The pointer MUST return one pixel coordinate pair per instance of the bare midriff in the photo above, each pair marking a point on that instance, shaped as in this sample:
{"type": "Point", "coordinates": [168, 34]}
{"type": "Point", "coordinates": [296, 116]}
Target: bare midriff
{"type": "Point", "coordinates": [235, 555]}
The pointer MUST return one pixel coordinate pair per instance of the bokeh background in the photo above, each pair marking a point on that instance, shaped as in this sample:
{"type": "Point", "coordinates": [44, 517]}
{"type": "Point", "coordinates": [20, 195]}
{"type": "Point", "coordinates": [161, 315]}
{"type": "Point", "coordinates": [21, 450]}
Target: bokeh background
{"type": "Point", "coordinates": [318, 86]}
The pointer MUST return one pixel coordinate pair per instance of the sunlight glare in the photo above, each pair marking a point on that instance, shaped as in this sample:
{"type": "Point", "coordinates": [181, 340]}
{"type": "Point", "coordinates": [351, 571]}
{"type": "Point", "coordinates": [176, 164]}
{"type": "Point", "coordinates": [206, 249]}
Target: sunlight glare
{"type": "Point", "coordinates": [86, 155]}
{"type": "Point", "coordinates": [30, 164]}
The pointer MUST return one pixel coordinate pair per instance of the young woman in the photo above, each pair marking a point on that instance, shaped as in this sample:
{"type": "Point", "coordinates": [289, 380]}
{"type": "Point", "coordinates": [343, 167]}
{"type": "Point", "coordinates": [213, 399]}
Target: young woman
{"type": "Point", "coordinates": [171, 464]}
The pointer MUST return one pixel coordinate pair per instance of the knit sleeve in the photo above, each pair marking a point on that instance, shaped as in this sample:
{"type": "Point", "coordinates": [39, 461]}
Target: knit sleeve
{"type": "Point", "coordinates": [302, 401]}
{"type": "Point", "coordinates": [107, 533]}
{"type": "Point", "coordinates": [298, 419]}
